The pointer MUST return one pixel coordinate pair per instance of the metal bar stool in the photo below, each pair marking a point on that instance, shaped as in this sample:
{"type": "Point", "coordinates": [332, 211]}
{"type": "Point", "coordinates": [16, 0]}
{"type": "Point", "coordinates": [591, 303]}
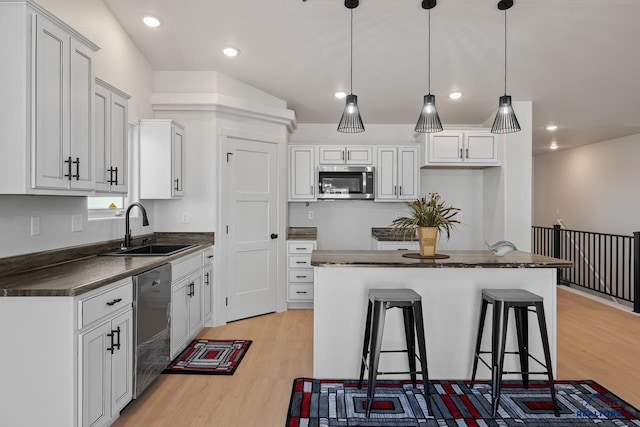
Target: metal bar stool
{"type": "Point", "coordinates": [380, 300]}
{"type": "Point", "coordinates": [520, 300]}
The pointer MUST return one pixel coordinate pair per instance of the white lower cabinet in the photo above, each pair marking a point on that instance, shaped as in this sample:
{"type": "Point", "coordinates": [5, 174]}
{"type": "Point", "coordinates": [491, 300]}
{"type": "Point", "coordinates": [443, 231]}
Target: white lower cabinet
{"type": "Point", "coordinates": [105, 365]}
{"type": "Point", "coordinates": [207, 283]}
{"type": "Point", "coordinates": [394, 245]}
{"type": "Point", "coordinates": [191, 297]}
{"type": "Point", "coordinates": [106, 369]}
{"type": "Point", "coordinates": [300, 271]}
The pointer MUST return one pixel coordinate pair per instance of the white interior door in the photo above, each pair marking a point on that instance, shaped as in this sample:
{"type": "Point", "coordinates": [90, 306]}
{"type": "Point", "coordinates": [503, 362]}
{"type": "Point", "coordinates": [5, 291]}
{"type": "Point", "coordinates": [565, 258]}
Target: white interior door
{"type": "Point", "coordinates": [252, 173]}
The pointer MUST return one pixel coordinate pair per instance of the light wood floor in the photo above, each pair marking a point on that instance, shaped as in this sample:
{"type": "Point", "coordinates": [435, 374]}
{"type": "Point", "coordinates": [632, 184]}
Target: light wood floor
{"type": "Point", "coordinates": [595, 342]}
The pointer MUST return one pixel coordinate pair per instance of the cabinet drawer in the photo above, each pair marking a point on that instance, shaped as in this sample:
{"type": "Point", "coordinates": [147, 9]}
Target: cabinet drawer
{"type": "Point", "coordinates": [300, 247]}
{"type": "Point", "coordinates": [301, 292]}
{"type": "Point", "coordinates": [301, 275]}
{"type": "Point", "coordinates": [207, 256]}
{"type": "Point", "coordinates": [103, 304]}
{"type": "Point", "coordinates": [183, 266]}
{"type": "Point", "coordinates": [299, 262]}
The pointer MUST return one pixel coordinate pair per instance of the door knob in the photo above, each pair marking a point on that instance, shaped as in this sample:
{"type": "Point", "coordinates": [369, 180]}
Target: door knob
{"type": "Point", "coordinates": [274, 236]}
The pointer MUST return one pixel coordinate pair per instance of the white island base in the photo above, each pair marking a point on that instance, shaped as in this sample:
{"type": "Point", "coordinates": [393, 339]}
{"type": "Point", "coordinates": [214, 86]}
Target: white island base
{"type": "Point", "coordinates": [451, 300]}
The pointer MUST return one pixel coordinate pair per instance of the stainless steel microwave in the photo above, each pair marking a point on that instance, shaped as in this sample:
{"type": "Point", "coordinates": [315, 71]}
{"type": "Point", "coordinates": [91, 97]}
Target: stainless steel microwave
{"type": "Point", "coordinates": [345, 182]}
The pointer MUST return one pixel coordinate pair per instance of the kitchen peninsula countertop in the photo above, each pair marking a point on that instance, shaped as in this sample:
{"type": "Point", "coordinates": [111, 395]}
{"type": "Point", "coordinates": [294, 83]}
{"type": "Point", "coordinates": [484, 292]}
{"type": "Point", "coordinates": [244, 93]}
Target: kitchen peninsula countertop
{"type": "Point", "coordinates": [457, 259]}
{"type": "Point", "coordinates": [79, 275]}
{"type": "Point", "coordinates": [302, 233]}
{"type": "Point", "coordinates": [387, 234]}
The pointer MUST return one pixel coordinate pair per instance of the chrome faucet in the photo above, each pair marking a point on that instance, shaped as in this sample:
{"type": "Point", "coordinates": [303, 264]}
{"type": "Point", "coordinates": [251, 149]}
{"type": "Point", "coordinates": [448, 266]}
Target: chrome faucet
{"type": "Point", "coordinates": [127, 231]}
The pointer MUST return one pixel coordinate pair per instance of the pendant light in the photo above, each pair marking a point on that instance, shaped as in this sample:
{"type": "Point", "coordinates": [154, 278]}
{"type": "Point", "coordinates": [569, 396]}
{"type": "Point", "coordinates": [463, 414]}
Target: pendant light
{"type": "Point", "coordinates": [429, 121]}
{"type": "Point", "coordinates": [506, 120]}
{"type": "Point", "coordinates": [351, 122]}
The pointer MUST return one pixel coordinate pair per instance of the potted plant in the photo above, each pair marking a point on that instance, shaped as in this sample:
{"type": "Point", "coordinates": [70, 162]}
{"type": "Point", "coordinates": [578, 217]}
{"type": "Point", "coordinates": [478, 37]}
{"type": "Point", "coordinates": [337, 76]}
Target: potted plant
{"type": "Point", "coordinates": [428, 215]}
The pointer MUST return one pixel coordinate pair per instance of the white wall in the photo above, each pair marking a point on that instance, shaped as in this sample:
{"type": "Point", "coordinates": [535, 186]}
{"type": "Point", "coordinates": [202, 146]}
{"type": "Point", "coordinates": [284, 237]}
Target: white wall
{"type": "Point", "coordinates": [120, 63]}
{"type": "Point", "coordinates": [591, 188]}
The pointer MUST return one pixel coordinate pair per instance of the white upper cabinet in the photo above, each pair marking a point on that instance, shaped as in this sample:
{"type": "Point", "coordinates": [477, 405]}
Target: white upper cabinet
{"type": "Point", "coordinates": [397, 173]}
{"type": "Point", "coordinates": [111, 142]}
{"type": "Point", "coordinates": [476, 148]}
{"type": "Point", "coordinates": [47, 80]}
{"type": "Point", "coordinates": [349, 155]}
{"type": "Point", "coordinates": [302, 173]}
{"type": "Point", "coordinates": [161, 159]}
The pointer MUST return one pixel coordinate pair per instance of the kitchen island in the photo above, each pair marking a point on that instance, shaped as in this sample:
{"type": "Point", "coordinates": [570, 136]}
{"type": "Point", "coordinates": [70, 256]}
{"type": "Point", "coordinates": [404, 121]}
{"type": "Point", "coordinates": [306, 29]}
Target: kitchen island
{"type": "Point", "coordinates": [451, 297]}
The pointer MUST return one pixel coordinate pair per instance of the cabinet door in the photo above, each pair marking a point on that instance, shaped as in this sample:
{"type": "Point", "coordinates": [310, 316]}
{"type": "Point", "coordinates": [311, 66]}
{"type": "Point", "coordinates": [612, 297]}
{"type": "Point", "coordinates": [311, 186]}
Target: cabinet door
{"type": "Point", "coordinates": [408, 173]}
{"type": "Point", "coordinates": [332, 155]}
{"type": "Point", "coordinates": [119, 144]}
{"type": "Point", "coordinates": [445, 147]}
{"type": "Point", "coordinates": [302, 173]}
{"type": "Point", "coordinates": [102, 132]}
{"type": "Point", "coordinates": [82, 91]}
{"type": "Point", "coordinates": [207, 279]}
{"type": "Point", "coordinates": [179, 316]}
{"type": "Point", "coordinates": [122, 362]}
{"type": "Point", "coordinates": [177, 168]}
{"type": "Point", "coordinates": [52, 106]}
{"type": "Point", "coordinates": [386, 173]}
{"type": "Point", "coordinates": [196, 319]}
{"type": "Point", "coordinates": [359, 155]}
{"type": "Point", "coordinates": [95, 360]}
{"type": "Point", "coordinates": [481, 147]}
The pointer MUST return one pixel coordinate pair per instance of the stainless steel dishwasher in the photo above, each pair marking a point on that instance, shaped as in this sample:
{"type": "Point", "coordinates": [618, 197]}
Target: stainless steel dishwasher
{"type": "Point", "coordinates": [151, 314]}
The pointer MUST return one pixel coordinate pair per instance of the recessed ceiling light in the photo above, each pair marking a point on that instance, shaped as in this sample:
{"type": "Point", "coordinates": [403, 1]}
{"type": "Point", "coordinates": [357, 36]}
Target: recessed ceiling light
{"type": "Point", "coordinates": [231, 51]}
{"type": "Point", "coordinates": [553, 146]}
{"type": "Point", "coordinates": [455, 95]}
{"type": "Point", "coordinates": [340, 94]}
{"type": "Point", "coordinates": [552, 127]}
{"type": "Point", "coordinates": [151, 21]}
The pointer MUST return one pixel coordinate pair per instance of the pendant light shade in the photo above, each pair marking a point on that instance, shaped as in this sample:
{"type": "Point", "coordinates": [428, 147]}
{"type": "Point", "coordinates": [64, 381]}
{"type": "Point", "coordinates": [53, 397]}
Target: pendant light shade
{"type": "Point", "coordinates": [429, 121]}
{"type": "Point", "coordinates": [506, 120]}
{"type": "Point", "coordinates": [351, 121]}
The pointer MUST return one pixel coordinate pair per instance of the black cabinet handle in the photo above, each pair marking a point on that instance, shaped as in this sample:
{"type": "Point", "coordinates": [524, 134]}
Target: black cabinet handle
{"type": "Point", "coordinates": [274, 236]}
{"type": "Point", "coordinates": [177, 180]}
{"type": "Point", "coordinates": [111, 171]}
{"type": "Point", "coordinates": [111, 347]}
{"type": "Point", "coordinates": [117, 344]}
{"type": "Point", "coordinates": [301, 277]}
{"type": "Point", "coordinates": [209, 256]}
{"type": "Point", "coordinates": [68, 162]}
{"type": "Point", "coordinates": [206, 280]}
{"type": "Point", "coordinates": [115, 301]}
{"type": "Point", "coordinates": [77, 163]}
{"type": "Point", "coordinates": [192, 289]}
{"type": "Point", "coordinates": [301, 292]}
{"type": "Point", "coordinates": [301, 262]}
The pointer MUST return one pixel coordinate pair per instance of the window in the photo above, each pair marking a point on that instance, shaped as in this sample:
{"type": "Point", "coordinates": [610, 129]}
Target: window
{"type": "Point", "coordinates": [105, 207]}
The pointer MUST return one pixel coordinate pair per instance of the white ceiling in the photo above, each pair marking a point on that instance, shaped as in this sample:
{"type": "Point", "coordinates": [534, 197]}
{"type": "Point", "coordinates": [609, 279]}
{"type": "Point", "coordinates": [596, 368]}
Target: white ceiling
{"type": "Point", "coordinates": [577, 60]}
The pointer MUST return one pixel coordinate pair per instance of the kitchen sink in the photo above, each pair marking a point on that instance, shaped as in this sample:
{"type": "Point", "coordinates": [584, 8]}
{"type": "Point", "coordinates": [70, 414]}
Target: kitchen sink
{"type": "Point", "coordinates": [156, 249]}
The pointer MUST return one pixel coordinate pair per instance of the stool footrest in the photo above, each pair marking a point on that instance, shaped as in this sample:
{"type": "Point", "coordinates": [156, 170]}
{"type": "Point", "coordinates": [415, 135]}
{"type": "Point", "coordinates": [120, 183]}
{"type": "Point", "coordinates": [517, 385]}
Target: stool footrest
{"type": "Point", "coordinates": [528, 373]}
{"type": "Point", "coordinates": [400, 372]}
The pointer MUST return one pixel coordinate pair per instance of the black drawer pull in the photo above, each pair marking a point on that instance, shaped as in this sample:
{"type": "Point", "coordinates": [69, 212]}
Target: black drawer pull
{"type": "Point", "coordinates": [209, 256]}
{"type": "Point", "coordinates": [301, 277]}
{"type": "Point", "coordinates": [301, 292]}
{"type": "Point", "coordinates": [115, 301]}
{"type": "Point", "coordinates": [301, 249]}
{"type": "Point", "coordinates": [301, 262]}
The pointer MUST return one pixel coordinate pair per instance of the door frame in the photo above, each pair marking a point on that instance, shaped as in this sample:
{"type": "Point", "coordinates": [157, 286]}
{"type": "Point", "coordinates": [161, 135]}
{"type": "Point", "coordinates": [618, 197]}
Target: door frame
{"type": "Point", "coordinates": [221, 244]}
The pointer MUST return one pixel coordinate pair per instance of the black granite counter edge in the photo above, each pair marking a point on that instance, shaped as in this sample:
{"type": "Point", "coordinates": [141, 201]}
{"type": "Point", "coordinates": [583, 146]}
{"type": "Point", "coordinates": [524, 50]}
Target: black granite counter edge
{"type": "Point", "coordinates": [436, 264]}
{"type": "Point", "coordinates": [44, 259]}
{"type": "Point", "coordinates": [82, 288]}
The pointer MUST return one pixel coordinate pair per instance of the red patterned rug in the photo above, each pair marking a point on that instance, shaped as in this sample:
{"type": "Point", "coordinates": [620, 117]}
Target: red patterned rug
{"type": "Point", "coordinates": [209, 357]}
{"type": "Point", "coordinates": [333, 403]}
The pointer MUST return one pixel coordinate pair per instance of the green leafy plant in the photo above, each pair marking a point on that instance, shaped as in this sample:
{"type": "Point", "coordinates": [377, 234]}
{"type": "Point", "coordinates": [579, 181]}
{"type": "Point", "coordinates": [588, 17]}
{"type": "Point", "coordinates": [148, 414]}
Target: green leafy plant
{"type": "Point", "coordinates": [430, 211]}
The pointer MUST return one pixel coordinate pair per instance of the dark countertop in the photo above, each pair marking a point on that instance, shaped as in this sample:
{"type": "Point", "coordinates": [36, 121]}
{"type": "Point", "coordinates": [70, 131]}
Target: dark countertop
{"type": "Point", "coordinates": [458, 259]}
{"type": "Point", "coordinates": [386, 234]}
{"type": "Point", "coordinates": [302, 233]}
{"type": "Point", "coordinates": [81, 275]}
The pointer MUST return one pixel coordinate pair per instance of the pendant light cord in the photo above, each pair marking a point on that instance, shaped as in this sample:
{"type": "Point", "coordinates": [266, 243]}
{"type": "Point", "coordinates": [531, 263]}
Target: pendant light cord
{"type": "Point", "coordinates": [351, 64]}
{"type": "Point", "coordinates": [429, 55]}
{"type": "Point", "coordinates": [505, 51]}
